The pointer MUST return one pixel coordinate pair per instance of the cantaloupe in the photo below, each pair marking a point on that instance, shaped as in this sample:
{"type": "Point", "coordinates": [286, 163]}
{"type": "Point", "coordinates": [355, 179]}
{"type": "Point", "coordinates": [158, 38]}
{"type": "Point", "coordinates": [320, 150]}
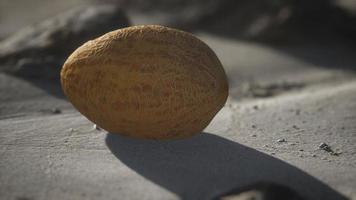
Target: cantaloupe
{"type": "Point", "coordinates": [146, 81]}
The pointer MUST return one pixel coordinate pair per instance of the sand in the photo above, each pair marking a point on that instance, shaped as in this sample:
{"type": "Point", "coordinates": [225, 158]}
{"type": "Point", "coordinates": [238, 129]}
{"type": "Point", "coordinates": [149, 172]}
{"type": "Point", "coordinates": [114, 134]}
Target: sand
{"type": "Point", "coordinates": [49, 155]}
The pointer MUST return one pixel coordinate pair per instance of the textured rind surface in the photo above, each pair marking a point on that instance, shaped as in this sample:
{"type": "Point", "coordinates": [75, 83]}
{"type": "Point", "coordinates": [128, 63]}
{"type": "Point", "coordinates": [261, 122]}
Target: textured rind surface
{"type": "Point", "coordinates": [147, 82]}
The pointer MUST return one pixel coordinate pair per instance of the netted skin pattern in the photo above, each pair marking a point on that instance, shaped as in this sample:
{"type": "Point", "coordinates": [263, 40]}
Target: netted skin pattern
{"type": "Point", "coordinates": [146, 82]}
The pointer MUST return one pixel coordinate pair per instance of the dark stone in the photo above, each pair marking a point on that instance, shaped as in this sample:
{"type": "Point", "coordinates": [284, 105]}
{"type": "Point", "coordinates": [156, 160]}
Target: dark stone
{"type": "Point", "coordinates": [39, 51]}
{"type": "Point", "coordinates": [261, 191]}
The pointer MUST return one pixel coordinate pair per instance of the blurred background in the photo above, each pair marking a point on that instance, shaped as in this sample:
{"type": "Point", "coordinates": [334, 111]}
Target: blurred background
{"type": "Point", "coordinates": [319, 32]}
{"type": "Point", "coordinates": [265, 20]}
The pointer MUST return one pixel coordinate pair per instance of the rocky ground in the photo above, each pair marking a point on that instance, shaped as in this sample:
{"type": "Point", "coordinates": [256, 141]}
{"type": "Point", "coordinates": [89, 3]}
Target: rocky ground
{"type": "Point", "coordinates": [288, 128]}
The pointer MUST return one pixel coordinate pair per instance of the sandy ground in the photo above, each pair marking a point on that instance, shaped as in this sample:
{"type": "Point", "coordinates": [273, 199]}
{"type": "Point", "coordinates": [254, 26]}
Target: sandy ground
{"type": "Point", "coordinates": [60, 156]}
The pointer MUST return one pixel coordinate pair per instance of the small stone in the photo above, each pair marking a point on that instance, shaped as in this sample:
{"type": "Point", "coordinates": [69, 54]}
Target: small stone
{"type": "Point", "coordinates": [253, 135]}
{"type": "Point", "coordinates": [253, 126]}
{"type": "Point", "coordinates": [255, 107]}
{"type": "Point", "coordinates": [322, 145]}
{"type": "Point", "coordinates": [56, 111]}
{"type": "Point", "coordinates": [273, 153]}
{"type": "Point", "coordinates": [96, 127]}
{"type": "Point", "coordinates": [325, 147]}
{"type": "Point", "coordinates": [296, 127]}
{"type": "Point", "coordinates": [260, 191]}
{"type": "Point", "coordinates": [301, 149]}
{"type": "Point", "coordinates": [314, 155]}
{"type": "Point", "coordinates": [292, 144]}
{"type": "Point", "coordinates": [281, 140]}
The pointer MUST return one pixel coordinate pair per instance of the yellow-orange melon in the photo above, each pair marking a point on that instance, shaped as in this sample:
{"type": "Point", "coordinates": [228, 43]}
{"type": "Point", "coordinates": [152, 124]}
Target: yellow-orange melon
{"type": "Point", "coordinates": [147, 82]}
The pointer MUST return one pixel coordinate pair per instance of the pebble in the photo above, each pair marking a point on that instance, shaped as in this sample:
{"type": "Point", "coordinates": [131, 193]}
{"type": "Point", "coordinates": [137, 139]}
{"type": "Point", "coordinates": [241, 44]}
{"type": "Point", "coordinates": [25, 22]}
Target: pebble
{"type": "Point", "coordinates": [96, 127]}
{"type": "Point", "coordinates": [281, 140]}
{"type": "Point", "coordinates": [325, 147]}
{"type": "Point", "coordinates": [56, 111]}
